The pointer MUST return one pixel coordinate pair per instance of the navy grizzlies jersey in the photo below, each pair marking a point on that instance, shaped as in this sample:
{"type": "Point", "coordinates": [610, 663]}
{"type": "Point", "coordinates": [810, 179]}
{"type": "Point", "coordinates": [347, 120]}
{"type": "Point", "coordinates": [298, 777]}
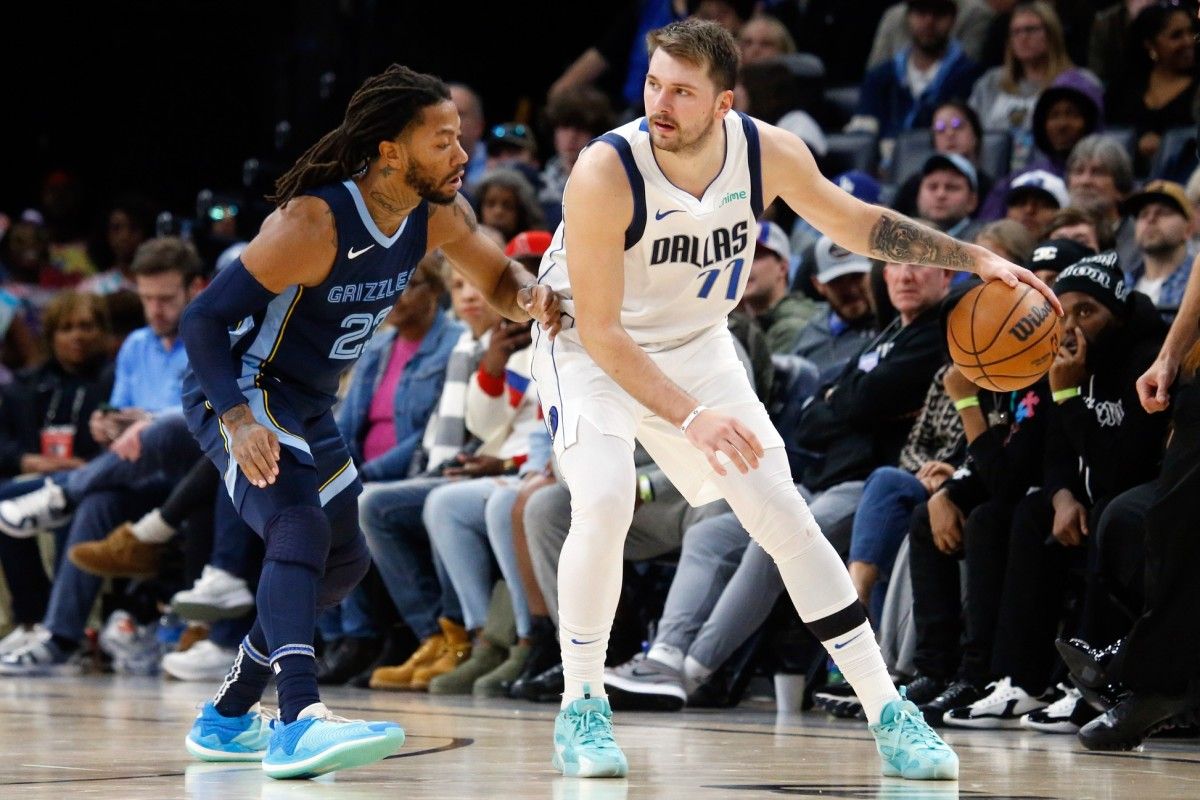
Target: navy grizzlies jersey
{"type": "Point", "coordinates": [308, 336]}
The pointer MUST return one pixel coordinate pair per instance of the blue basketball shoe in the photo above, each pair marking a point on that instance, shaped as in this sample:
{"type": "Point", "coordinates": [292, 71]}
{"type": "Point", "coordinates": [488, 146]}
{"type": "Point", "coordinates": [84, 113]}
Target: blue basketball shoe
{"type": "Point", "coordinates": [909, 747]}
{"type": "Point", "coordinates": [319, 742]}
{"type": "Point", "coordinates": [583, 740]}
{"type": "Point", "coordinates": [217, 738]}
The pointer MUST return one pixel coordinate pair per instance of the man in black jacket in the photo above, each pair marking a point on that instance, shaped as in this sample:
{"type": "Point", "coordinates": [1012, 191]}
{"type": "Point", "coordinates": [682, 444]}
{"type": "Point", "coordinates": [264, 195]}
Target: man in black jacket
{"type": "Point", "coordinates": [726, 586]}
{"type": "Point", "coordinates": [968, 518]}
{"type": "Point", "coordinates": [1100, 442]}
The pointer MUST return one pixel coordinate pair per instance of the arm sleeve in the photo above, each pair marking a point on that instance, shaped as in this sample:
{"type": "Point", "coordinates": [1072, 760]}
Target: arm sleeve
{"type": "Point", "coordinates": [232, 296]}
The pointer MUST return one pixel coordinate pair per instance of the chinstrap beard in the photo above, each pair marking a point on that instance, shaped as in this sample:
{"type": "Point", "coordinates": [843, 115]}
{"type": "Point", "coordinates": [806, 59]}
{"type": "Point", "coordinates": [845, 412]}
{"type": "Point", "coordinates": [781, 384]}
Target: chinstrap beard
{"type": "Point", "coordinates": [431, 190]}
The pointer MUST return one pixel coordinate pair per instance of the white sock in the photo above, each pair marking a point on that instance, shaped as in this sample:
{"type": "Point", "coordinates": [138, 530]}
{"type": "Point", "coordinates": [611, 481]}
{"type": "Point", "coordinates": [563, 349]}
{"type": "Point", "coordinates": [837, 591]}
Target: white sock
{"type": "Point", "coordinates": [667, 654]}
{"type": "Point", "coordinates": [857, 655]}
{"type": "Point", "coordinates": [694, 674]}
{"type": "Point", "coordinates": [152, 529]}
{"type": "Point", "coordinates": [583, 651]}
{"type": "Point", "coordinates": [313, 710]}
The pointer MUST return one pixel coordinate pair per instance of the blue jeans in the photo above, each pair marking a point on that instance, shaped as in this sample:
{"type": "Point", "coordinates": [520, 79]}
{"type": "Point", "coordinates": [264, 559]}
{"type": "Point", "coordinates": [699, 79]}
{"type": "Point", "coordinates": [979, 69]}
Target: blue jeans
{"type": "Point", "coordinates": [882, 522]}
{"type": "Point", "coordinates": [168, 450]}
{"type": "Point", "coordinates": [468, 523]}
{"type": "Point", "coordinates": [390, 516]}
{"type": "Point", "coordinates": [22, 562]}
{"type": "Point", "coordinates": [350, 618]}
{"type": "Point", "coordinates": [74, 590]}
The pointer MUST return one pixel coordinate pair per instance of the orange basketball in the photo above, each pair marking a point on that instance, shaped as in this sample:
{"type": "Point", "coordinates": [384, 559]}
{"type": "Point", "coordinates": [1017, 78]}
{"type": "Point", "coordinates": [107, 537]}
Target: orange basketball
{"type": "Point", "coordinates": [1001, 338]}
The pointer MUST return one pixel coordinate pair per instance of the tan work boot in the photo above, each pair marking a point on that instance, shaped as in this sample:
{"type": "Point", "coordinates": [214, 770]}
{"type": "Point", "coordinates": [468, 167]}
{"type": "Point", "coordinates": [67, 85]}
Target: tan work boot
{"type": "Point", "coordinates": [193, 633]}
{"type": "Point", "coordinates": [118, 555]}
{"type": "Point", "coordinates": [456, 650]}
{"type": "Point", "coordinates": [401, 677]}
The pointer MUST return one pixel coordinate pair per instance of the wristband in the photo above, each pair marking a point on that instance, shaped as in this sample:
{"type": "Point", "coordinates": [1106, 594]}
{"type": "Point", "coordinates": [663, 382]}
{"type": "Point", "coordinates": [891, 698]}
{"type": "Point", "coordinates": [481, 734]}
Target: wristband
{"type": "Point", "coordinates": [1063, 395]}
{"type": "Point", "coordinates": [645, 489]}
{"type": "Point", "coordinates": [967, 402]}
{"type": "Point", "coordinates": [690, 418]}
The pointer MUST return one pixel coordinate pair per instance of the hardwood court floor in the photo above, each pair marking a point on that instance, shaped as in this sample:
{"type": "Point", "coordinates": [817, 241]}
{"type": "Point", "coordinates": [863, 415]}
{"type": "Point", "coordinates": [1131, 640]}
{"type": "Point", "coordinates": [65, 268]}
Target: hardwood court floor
{"type": "Point", "coordinates": [118, 737]}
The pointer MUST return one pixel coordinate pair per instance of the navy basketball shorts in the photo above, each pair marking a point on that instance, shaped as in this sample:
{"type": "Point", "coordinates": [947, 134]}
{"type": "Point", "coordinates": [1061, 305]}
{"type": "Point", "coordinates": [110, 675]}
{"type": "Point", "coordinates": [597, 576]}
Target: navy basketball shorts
{"type": "Point", "coordinates": [306, 443]}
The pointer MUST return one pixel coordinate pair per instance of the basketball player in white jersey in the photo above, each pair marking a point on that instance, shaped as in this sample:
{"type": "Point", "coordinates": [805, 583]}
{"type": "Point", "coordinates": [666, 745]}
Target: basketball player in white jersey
{"type": "Point", "coordinates": [653, 252]}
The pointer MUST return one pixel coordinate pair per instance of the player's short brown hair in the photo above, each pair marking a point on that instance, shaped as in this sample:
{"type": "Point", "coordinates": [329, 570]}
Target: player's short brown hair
{"type": "Point", "coordinates": [705, 44]}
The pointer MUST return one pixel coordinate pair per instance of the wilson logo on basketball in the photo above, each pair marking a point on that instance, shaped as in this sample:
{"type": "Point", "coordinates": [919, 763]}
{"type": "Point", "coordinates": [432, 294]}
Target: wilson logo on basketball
{"type": "Point", "coordinates": [1027, 325]}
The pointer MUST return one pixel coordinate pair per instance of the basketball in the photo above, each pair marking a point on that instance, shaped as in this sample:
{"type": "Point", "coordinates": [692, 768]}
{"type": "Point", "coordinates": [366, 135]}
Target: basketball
{"type": "Point", "coordinates": [1002, 338]}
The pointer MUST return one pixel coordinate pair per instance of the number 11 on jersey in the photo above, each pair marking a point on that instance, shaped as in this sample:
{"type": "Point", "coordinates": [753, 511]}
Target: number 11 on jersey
{"type": "Point", "coordinates": [710, 278]}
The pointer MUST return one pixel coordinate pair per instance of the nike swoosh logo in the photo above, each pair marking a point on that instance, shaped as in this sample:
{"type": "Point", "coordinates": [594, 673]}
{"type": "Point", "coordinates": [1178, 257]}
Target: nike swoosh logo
{"type": "Point", "coordinates": [660, 213]}
{"type": "Point", "coordinates": [638, 672]}
{"type": "Point", "coordinates": [576, 641]}
{"type": "Point", "coordinates": [848, 641]}
{"type": "Point", "coordinates": [353, 254]}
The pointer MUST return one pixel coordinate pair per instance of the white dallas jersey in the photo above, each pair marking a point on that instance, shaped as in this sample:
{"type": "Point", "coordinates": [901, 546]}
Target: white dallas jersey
{"type": "Point", "coordinates": [686, 260]}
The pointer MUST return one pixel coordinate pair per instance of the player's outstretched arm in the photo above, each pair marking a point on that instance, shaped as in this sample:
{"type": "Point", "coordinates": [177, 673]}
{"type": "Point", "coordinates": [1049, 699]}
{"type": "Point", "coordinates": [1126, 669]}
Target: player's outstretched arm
{"type": "Point", "coordinates": [505, 284]}
{"type": "Point", "coordinates": [790, 172]}
{"type": "Point", "coordinates": [597, 209]}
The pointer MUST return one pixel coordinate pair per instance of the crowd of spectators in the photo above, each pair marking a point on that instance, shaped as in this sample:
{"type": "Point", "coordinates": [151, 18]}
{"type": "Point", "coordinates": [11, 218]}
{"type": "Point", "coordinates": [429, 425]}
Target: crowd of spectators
{"type": "Point", "coordinates": [978, 527]}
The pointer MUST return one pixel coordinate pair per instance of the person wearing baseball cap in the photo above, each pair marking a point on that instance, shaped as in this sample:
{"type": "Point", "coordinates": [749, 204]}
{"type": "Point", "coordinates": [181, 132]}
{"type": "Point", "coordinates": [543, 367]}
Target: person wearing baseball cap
{"type": "Point", "coordinates": [527, 248]}
{"type": "Point", "coordinates": [949, 194]}
{"type": "Point", "coordinates": [844, 322]}
{"type": "Point", "coordinates": [779, 313]}
{"type": "Point", "coordinates": [1104, 444]}
{"type": "Point", "coordinates": [1163, 222]}
{"type": "Point", "coordinates": [1051, 257]}
{"type": "Point", "coordinates": [1034, 197]}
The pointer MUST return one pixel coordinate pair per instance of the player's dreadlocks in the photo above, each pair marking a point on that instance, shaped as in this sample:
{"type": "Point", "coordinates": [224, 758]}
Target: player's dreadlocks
{"type": "Point", "coordinates": [383, 107]}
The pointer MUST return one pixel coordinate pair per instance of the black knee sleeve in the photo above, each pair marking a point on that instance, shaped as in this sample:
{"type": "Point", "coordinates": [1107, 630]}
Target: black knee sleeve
{"type": "Point", "coordinates": [345, 570]}
{"type": "Point", "coordinates": [299, 535]}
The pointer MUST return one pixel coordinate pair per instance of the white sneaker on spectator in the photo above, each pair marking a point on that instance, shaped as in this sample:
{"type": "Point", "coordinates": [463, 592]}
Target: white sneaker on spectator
{"type": "Point", "coordinates": [18, 637]}
{"type": "Point", "coordinates": [217, 594]}
{"type": "Point", "coordinates": [1002, 707]}
{"type": "Point", "coordinates": [43, 509]}
{"type": "Point", "coordinates": [38, 656]}
{"type": "Point", "coordinates": [203, 661]}
{"type": "Point", "coordinates": [1067, 715]}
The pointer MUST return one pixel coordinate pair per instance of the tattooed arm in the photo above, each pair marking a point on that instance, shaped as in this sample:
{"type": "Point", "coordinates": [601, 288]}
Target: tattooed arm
{"type": "Point", "coordinates": [790, 173]}
{"type": "Point", "coordinates": [508, 287]}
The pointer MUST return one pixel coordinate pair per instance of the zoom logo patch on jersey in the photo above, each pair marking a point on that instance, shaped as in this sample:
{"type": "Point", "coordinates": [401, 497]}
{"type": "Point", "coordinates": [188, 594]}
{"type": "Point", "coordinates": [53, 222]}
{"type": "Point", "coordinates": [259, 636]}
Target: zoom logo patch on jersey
{"type": "Point", "coordinates": [721, 245]}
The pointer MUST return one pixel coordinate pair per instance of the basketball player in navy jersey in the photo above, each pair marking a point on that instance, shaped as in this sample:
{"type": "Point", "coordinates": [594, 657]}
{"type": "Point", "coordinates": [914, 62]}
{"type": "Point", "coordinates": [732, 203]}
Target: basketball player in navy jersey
{"type": "Point", "coordinates": [652, 254]}
{"type": "Point", "coordinates": [268, 342]}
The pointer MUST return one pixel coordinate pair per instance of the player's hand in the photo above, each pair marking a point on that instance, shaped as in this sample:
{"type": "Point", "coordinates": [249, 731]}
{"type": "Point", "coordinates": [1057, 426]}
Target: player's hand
{"type": "Point", "coordinates": [1070, 519]}
{"type": "Point", "coordinates": [957, 385]}
{"type": "Point", "coordinates": [992, 267]}
{"type": "Point", "coordinates": [933, 474]}
{"type": "Point", "coordinates": [253, 447]}
{"type": "Point", "coordinates": [128, 445]}
{"type": "Point", "coordinates": [1154, 386]}
{"type": "Point", "coordinates": [946, 523]}
{"type": "Point", "coordinates": [1069, 368]}
{"type": "Point", "coordinates": [713, 432]}
{"type": "Point", "coordinates": [544, 305]}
